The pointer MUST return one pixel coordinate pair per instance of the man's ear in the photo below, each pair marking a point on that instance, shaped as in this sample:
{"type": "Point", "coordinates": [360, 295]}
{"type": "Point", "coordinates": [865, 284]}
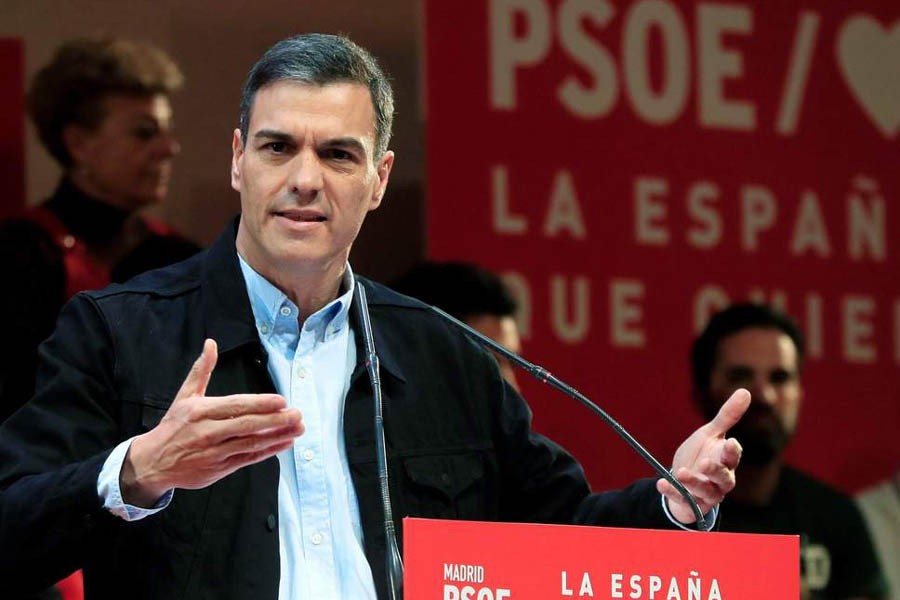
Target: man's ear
{"type": "Point", "coordinates": [384, 173]}
{"type": "Point", "coordinates": [237, 154]}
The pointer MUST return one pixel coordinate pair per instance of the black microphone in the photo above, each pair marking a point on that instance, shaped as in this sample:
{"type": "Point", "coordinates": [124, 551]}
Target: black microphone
{"type": "Point", "coordinates": [545, 376]}
{"type": "Point", "coordinates": [393, 562]}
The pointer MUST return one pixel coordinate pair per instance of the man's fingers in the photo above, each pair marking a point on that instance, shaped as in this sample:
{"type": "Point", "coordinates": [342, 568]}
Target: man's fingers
{"type": "Point", "coordinates": [237, 461]}
{"type": "Point", "coordinates": [198, 377]}
{"type": "Point", "coordinates": [262, 425]}
{"type": "Point", "coordinates": [256, 444]}
{"type": "Point", "coordinates": [719, 475]}
{"type": "Point", "coordinates": [208, 473]}
{"type": "Point", "coordinates": [705, 491]}
{"type": "Point", "coordinates": [679, 507]}
{"type": "Point", "coordinates": [731, 453]}
{"type": "Point", "coordinates": [238, 405]}
{"type": "Point", "coordinates": [729, 457]}
{"type": "Point", "coordinates": [731, 412]}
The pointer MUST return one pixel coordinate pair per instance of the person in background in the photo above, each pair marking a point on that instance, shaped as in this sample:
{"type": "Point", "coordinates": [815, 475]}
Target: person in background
{"type": "Point", "coordinates": [760, 349]}
{"type": "Point", "coordinates": [471, 294]}
{"type": "Point", "coordinates": [101, 108]}
{"type": "Point", "coordinates": [880, 506]}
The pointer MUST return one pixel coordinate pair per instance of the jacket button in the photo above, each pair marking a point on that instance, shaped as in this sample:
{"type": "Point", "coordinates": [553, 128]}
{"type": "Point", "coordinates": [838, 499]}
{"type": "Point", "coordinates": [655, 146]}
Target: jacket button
{"type": "Point", "coordinates": [271, 522]}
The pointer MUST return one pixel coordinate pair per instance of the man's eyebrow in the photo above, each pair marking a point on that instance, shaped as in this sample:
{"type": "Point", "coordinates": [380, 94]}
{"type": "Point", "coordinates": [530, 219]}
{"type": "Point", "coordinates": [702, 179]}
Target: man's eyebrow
{"type": "Point", "coordinates": [272, 134]}
{"type": "Point", "coordinates": [739, 369]}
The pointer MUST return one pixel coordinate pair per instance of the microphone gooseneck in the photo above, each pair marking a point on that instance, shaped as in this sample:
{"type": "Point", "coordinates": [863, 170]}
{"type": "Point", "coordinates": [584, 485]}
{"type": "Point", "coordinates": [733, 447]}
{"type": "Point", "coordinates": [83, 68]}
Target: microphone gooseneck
{"type": "Point", "coordinates": [393, 562]}
{"type": "Point", "coordinates": [545, 376]}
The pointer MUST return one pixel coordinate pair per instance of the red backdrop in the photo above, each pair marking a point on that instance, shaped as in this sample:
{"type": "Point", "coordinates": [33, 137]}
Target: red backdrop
{"type": "Point", "coordinates": [12, 125]}
{"type": "Point", "coordinates": [632, 165]}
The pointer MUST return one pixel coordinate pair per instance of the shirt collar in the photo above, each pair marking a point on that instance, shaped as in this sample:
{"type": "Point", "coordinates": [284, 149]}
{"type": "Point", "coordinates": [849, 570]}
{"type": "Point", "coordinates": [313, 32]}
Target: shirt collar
{"type": "Point", "coordinates": [269, 303]}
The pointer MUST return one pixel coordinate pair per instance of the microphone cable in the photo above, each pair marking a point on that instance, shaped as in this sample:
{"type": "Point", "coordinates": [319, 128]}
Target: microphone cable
{"type": "Point", "coordinates": [544, 376]}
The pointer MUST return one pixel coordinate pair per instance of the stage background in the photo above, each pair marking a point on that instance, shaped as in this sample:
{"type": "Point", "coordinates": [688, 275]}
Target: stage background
{"type": "Point", "coordinates": [631, 166]}
{"type": "Point", "coordinates": [741, 181]}
{"type": "Point", "coordinates": [12, 124]}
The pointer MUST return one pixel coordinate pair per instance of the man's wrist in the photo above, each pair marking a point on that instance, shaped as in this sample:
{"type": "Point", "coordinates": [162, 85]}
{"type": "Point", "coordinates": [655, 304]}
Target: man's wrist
{"type": "Point", "coordinates": [138, 489]}
{"type": "Point", "coordinates": [109, 488]}
{"type": "Point", "coordinates": [710, 517]}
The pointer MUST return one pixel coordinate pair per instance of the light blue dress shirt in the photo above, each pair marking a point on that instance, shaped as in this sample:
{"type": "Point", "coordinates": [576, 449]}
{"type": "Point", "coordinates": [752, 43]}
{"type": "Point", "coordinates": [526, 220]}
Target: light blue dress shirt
{"type": "Point", "coordinates": [320, 533]}
{"type": "Point", "coordinates": [319, 527]}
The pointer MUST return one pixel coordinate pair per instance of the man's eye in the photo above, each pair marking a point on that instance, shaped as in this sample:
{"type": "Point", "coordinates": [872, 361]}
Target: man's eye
{"type": "Point", "coordinates": [739, 377]}
{"type": "Point", "coordinates": [145, 133]}
{"type": "Point", "coordinates": [338, 154]}
{"type": "Point", "coordinates": [276, 147]}
{"type": "Point", "coordinates": [780, 377]}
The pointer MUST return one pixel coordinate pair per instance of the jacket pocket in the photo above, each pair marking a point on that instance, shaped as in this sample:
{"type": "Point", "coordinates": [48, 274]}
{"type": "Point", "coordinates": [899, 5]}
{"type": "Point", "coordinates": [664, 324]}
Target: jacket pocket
{"type": "Point", "coordinates": [140, 416]}
{"type": "Point", "coordinates": [446, 485]}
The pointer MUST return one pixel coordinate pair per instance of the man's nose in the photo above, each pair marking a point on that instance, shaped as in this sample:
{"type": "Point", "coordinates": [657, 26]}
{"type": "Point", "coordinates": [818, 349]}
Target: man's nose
{"type": "Point", "coordinates": [762, 390]}
{"type": "Point", "coordinates": [307, 176]}
{"type": "Point", "coordinates": [167, 145]}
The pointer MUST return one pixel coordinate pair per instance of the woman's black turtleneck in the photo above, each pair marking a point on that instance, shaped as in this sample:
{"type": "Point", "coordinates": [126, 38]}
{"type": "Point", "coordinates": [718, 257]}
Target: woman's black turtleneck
{"type": "Point", "coordinates": [86, 218]}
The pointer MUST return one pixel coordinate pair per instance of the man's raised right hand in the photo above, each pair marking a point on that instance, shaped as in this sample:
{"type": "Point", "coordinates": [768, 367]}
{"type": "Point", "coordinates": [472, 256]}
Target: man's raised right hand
{"type": "Point", "coordinates": [202, 439]}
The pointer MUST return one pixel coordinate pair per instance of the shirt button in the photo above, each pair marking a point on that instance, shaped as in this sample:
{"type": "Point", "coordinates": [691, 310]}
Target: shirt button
{"type": "Point", "coordinates": [285, 311]}
{"type": "Point", "coordinates": [271, 521]}
{"type": "Point", "coordinates": [264, 328]}
{"type": "Point", "coordinates": [308, 454]}
{"type": "Point", "coordinates": [301, 372]}
{"type": "Point", "coordinates": [317, 538]}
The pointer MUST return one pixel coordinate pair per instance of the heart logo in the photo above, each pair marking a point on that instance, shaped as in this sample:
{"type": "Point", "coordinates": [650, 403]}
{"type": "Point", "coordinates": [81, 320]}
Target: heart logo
{"type": "Point", "coordinates": [869, 56]}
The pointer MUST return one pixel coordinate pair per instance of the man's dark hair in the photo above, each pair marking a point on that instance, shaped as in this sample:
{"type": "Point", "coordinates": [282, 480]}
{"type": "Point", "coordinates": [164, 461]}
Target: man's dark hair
{"type": "Point", "coordinates": [321, 59]}
{"type": "Point", "coordinates": [461, 289]}
{"type": "Point", "coordinates": [731, 320]}
{"type": "Point", "coordinates": [71, 88]}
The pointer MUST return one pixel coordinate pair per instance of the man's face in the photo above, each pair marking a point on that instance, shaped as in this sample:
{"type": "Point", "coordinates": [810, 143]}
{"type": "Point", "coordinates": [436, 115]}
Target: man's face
{"type": "Point", "coordinates": [505, 332]}
{"type": "Point", "coordinates": [765, 362]}
{"type": "Point", "coordinates": [307, 176]}
{"type": "Point", "coordinates": [127, 159]}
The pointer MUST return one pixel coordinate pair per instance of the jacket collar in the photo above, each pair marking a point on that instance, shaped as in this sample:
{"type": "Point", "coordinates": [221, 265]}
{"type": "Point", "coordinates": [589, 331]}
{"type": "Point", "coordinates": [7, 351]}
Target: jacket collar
{"type": "Point", "coordinates": [229, 317]}
{"type": "Point", "coordinates": [383, 349]}
{"type": "Point", "coordinates": [226, 306]}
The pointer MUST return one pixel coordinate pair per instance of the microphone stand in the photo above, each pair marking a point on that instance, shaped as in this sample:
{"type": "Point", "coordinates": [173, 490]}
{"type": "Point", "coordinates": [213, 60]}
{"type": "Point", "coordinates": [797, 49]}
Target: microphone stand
{"type": "Point", "coordinates": [545, 376]}
{"type": "Point", "coordinates": [393, 562]}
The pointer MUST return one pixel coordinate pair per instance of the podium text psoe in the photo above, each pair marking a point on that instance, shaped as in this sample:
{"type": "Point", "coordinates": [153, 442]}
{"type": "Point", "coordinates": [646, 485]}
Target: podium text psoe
{"type": "Point", "coordinates": [467, 560]}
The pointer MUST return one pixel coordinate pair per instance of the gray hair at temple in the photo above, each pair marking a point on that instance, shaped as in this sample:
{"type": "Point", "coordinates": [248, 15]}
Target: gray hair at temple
{"type": "Point", "coordinates": [321, 59]}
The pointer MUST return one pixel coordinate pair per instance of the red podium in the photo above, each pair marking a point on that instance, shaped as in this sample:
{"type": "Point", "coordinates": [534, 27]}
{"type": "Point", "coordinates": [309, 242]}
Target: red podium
{"type": "Point", "coordinates": [465, 560]}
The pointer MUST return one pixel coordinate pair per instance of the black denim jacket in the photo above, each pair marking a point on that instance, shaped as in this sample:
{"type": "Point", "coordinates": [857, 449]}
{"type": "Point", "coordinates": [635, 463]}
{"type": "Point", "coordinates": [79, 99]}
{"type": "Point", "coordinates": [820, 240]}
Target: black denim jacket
{"type": "Point", "coordinates": [459, 442]}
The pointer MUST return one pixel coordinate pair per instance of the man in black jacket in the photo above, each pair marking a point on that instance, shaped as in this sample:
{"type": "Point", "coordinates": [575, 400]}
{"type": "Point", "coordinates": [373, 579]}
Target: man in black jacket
{"type": "Point", "coordinates": [165, 477]}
